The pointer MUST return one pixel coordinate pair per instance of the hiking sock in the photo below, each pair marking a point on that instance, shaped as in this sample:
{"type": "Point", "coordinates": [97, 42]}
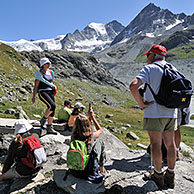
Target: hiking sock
{"type": "Point", "coordinates": [158, 172]}
{"type": "Point", "coordinates": [171, 171]}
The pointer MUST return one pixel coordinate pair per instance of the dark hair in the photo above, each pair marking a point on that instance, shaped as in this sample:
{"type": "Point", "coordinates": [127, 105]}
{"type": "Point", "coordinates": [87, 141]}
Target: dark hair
{"type": "Point", "coordinates": [76, 111]}
{"type": "Point", "coordinates": [67, 102]}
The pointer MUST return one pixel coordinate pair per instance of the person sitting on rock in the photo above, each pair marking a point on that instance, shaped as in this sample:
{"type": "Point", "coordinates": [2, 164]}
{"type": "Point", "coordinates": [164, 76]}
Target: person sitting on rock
{"type": "Point", "coordinates": [65, 112]}
{"type": "Point", "coordinates": [13, 166]}
{"type": "Point", "coordinates": [77, 109]}
{"type": "Point", "coordinates": [83, 131]}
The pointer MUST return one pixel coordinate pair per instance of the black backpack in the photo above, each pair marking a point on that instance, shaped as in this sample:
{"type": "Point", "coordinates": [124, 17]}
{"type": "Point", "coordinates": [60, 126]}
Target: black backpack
{"type": "Point", "coordinates": [175, 90]}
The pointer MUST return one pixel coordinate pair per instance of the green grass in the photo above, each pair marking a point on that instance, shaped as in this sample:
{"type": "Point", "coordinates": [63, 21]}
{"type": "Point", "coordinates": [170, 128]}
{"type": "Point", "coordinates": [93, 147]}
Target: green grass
{"type": "Point", "coordinates": [187, 135]}
{"type": "Point", "coordinates": [121, 100]}
{"type": "Point", "coordinates": [182, 52]}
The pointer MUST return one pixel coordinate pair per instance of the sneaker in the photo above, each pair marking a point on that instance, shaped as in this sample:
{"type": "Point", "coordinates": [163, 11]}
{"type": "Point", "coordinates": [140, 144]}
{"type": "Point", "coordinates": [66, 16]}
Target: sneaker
{"type": "Point", "coordinates": [106, 174]}
{"type": "Point", "coordinates": [43, 121]}
{"type": "Point", "coordinates": [169, 179]}
{"type": "Point", "coordinates": [50, 130]}
{"type": "Point", "coordinates": [157, 178]}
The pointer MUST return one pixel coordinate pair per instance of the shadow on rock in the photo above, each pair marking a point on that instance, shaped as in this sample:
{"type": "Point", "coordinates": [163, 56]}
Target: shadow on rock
{"type": "Point", "coordinates": [5, 186]}
{"type": "Point", "coordinates": [130, 165]}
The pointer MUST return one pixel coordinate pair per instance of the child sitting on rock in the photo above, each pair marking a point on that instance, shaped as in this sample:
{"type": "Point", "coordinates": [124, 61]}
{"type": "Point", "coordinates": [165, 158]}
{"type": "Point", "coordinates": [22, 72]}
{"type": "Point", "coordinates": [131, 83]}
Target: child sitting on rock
{"type": "Point", "coordinates": [83, 131]}
{"type": "Point", "coordinates": [13, 166]}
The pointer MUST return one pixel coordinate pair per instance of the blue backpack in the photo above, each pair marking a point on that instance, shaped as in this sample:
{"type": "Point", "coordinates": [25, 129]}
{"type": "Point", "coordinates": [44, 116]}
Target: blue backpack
{"type": "Point", "coordinates": [175, 90]}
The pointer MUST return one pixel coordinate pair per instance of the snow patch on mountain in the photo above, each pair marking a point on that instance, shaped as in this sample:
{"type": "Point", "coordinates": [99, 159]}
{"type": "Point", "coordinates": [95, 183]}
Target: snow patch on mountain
{"type": "Point", "coordinates": [40, 45]}
{"type": "Point", "coordinates": [150, 35]}
{"type": "Point", "coordinates": [23, 45]}
{"type": "Point", "coordinates": [173, 25]}
{"type": "Point", "coordinates": [50, 44]}
{"type": "Point", "coordinates": [99, 28]}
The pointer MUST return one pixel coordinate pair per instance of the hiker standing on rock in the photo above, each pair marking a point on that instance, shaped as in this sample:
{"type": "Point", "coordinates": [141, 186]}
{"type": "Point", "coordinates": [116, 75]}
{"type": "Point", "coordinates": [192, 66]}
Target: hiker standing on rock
{"type": "Point", "coordinates": [13, 166]}
{"type": "Point", "coordinates": [159, 121]}
{"type": "Point", "coordinates": [46, 91]}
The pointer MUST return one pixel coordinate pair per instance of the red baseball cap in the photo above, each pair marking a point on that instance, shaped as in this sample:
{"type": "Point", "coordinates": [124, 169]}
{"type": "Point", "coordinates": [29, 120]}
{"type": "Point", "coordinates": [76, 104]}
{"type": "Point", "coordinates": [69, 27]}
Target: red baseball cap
{"type": "Point", "coordinates": [158, 49]}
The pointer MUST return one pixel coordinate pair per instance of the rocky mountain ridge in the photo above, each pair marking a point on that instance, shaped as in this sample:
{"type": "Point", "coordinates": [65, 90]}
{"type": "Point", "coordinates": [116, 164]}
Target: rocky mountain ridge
{"type": "Point", "coordinates": [94, 37]}
{"type": "Point", "coordinates": [71, 64]}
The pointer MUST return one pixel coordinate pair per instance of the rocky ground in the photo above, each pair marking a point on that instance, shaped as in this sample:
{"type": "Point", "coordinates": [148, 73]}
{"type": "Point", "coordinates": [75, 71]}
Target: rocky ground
{"type": "Point", "coordinates": [126, 167]}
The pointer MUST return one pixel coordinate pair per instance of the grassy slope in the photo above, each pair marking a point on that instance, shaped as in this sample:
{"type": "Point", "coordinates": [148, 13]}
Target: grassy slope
{"type": "Point", "coordinates": [89, 91]}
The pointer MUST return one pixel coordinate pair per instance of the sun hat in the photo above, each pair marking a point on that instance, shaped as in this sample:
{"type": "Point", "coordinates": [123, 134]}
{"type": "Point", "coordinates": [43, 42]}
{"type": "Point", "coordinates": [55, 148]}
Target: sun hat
{"type": "Point", "coordinates": [44, 61]}
{"type": "Point", "coordinates": [158, 49]}
{"type": "Point", "coordinates": [79, 105]}
{"type": "Point", "coordinates": [22, 126]}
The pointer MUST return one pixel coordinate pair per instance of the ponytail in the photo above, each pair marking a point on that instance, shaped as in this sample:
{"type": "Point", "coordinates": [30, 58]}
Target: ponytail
{"type": "Point", "coordinates": [18, 138]}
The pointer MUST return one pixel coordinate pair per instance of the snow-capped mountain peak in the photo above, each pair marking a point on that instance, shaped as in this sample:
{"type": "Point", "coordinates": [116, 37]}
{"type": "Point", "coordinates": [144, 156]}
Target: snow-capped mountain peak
{"type": "Point", "coordinates": [95, 36]}
{"type": "Point", "coordinates": [98, 27]}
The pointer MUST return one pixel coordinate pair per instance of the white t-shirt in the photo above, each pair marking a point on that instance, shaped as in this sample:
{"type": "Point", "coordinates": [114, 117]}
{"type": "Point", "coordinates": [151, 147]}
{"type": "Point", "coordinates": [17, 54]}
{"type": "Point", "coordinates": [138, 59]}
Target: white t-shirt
{"type": "Point", "coordinates": [152, 74]}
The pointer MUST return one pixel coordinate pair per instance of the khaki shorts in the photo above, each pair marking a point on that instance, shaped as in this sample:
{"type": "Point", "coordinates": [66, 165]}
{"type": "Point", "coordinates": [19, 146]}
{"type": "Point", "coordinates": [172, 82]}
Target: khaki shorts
{"type": "Point", "coordinates": [160, 124]}
{"type": "Point", "coordinates": [12, 173]}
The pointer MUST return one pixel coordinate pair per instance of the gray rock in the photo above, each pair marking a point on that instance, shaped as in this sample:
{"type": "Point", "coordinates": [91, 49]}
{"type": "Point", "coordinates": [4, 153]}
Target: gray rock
{"type": "Point", "coordinates": [10, 111]}
{"type": "Point", "coordinates": [109, 115]}
{"type": "Point", "coordinates": [124, 128]}
{"type": "Point", "coordinates": [25, 184]}
{"type": "Point", "coordinates": [75, 185]}
{"type": "Point", "coordinates": [113, 129]}
{"type": "Point", "coordinates": [20, 114]}
{"type": "Point", "coordinates": [2, 103]}
{"type": "Point", "coordinates": [79, 99]}
{"type": "Point", "coordinates": [128, 125]}
{"type": "Point", "coordinates": [132, 135]}
{"type": "Point", "coordinates": [142, 146]}
{"type": "Point", "coordinates": [110, 121]}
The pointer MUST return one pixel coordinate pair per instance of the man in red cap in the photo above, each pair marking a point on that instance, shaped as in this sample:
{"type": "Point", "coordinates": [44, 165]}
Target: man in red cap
{"type": "Point", "coordinates": [159, 121]}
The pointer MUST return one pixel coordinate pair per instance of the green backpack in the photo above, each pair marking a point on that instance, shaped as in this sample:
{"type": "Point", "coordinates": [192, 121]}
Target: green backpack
{"type": "Point", "coordinates": [77, 157]}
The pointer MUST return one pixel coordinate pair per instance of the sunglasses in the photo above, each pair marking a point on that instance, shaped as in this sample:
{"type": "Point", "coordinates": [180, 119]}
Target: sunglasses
{"type": "Point", "coordinates": [150, 54]}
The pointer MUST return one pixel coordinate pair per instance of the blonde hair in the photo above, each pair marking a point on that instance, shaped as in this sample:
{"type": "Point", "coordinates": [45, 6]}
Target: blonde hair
{"type": "Point", "coordinates": [82, 129]}
{"type": "Point", "coordinates": [18, 138]}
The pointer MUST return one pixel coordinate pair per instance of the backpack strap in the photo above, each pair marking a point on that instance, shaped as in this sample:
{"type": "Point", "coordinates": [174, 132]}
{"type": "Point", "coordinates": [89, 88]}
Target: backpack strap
{"type": "Point", "coordinates": [66, 174]}
{"type": "Point", "coordinates": [168, 65]}
{"type": "Point", "coordinates": [150, 89]}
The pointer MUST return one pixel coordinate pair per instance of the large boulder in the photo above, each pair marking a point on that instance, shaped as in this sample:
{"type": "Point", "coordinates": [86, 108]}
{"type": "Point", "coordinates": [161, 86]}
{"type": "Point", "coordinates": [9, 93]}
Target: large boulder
{"type": "Point", "coordinates": [75, 185]}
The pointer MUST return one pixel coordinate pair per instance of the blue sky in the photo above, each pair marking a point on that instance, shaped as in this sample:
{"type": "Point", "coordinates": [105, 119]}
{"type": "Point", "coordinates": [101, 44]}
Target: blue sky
{"type": "Point", "coordinates": [42, 19]}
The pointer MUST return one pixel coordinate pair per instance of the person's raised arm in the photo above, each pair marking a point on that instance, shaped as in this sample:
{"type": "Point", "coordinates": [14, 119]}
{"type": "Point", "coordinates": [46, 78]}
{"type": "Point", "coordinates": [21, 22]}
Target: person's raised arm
{"type": "Point", "coordinates": [96, 124]}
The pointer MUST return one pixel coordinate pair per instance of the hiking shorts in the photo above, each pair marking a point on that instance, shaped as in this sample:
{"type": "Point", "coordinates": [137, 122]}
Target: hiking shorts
{"type": "Point", "coordinates": [12, 173]}
{"type": "Point", "coordinates": [160, 124]}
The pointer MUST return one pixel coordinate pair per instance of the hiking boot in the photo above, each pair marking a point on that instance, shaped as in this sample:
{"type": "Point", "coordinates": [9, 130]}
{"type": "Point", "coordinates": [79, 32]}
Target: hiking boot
{"type": "Point", "coordinates": [43, 121]}
{"type": "Point", "coordinates": [157, 178]}
{"type": "Point", "coordinates": [50, 130]}
{"type": "Point", "coordinates": [169, 179]}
